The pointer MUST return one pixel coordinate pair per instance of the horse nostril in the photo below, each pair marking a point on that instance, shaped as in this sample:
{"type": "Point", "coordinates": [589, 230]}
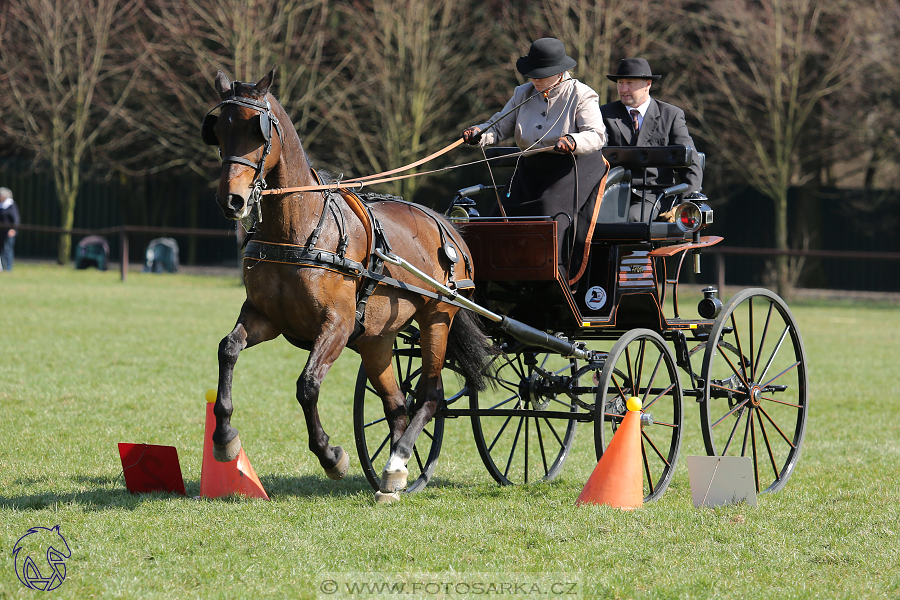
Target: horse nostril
{"type": "Point", "coordinates": [234, 202]}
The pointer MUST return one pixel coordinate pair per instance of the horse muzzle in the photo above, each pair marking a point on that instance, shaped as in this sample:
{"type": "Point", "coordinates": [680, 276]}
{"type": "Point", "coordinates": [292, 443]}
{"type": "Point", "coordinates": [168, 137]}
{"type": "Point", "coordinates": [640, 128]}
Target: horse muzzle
{"type": "Point", "coordinates": [234, 206]}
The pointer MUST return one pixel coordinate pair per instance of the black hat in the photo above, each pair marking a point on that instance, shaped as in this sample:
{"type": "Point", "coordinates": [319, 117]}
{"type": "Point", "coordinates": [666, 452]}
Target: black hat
{"type": "Point", "coordinates": [546, 57]}
{"type": "Point", "coordinates": [633, 68]}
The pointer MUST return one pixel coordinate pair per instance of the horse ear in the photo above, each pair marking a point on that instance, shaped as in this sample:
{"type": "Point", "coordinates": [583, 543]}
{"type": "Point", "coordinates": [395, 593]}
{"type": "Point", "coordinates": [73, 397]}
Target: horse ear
{"type": "Point", "coordinates": [223, 85]}
{"type": "Point", "coordinates": [262, 86]}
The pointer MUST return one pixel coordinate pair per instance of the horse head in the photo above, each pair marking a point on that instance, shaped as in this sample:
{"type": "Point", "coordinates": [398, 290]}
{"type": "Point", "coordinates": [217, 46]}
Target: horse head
{"type": "Point", "coordinates": [249, 136]}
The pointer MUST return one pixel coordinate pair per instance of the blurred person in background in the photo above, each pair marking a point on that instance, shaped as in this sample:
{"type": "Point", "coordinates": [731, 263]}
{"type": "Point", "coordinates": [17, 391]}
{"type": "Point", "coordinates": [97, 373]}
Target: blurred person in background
{"type": "Point", "coordinates": [9, 220]}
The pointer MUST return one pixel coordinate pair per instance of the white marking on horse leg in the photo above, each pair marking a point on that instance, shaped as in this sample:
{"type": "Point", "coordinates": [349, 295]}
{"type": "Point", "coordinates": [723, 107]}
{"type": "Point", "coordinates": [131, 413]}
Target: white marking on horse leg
{"type": "Point", "coordinates": [393, 478]}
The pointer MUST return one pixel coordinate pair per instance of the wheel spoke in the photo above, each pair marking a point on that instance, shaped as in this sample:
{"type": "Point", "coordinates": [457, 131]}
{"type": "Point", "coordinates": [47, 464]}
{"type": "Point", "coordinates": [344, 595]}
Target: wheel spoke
{"type": "Point", "coordinates": [375, 422]}
{"type": "Point", "coordinates": [762, 341]}
{"type": "Point", "coordinates": [537, 427]}
{"type": "Point", "coordinates": [737, 421]}
{"type": "Point", "coordinates": [513, 449]}
{"type": "Point", "coordinates": [664, 393]}
{"type": "Point", "coordinates": [762, 428]}
{"type": "Point", "coordinates": [737, 339]}
{"type": "Point", "coordinates": [733, 368]}
{"type": "Point", "coordinates": [655, 449]}
{"type": "Point", "coordinates": [526, 449]}
{"type": "Point", "coordinates": [752, 423]}
{"type": "Point", "coordinates": [750, 354]}
{"type": "Point", "coordinates": [774, 352]}
{"type": "Point", "coordinates": [630, 374]}
{"type": "Point", "coordinates": [622, 393]}
{"type": "Point", "coordinates": [793, 366]}
{"type": "Point", "coordinates": [776, 401]}
{"type": "Point", "coordinates": [777, 428]}
{"type": "Point", "coordinates": [642, 344]}
{"type": "Point", "coordinates": [652, 379]}
{"type": "Point", "coordinates": [746, 431]}
{"type": "Point", "coordinates": [499, 433]}
{"type": "Point", "coordinates": [418, 459]}
{"type": "Point", "coordinates": [647, 466]}
{"type": "Point", "coordinates": [725, 416]}
{"type": "Point", "coordinates": [381, 447]}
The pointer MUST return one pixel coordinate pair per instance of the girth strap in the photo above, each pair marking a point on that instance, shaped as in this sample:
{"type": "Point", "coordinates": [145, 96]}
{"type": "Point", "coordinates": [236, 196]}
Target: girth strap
{"type": "Point", "coordinates": [300, 255]}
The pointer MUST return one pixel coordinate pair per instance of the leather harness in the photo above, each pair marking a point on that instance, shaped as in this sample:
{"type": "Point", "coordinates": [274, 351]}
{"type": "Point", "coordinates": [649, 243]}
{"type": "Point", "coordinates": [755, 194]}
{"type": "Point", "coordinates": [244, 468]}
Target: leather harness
{"type": "Point", "coordinates": [371, 273]}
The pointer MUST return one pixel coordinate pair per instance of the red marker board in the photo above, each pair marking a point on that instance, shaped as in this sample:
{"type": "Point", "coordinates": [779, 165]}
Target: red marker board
{"type": "Point", "coordinates": [150, 468]}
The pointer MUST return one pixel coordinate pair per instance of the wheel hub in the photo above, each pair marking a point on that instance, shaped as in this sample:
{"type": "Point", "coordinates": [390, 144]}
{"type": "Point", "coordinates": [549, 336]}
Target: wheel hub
{"type": "Point", "coordinates": [755, 395]}
{"type": "Point", "coordinates": [534, 392]}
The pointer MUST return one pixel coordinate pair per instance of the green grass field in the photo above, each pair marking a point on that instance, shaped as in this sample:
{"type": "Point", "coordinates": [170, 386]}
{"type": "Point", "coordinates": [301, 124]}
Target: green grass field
{"type": "Point", "coordinates": [86, 362]}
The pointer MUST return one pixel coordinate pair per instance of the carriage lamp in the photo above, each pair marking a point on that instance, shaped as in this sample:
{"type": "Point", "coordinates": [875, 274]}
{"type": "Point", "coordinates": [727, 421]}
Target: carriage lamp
{"type": "Point", "coordinates": [710, 306]}
{"type": "Point", "coordinates": [693, 216]}
{"type": "Point", "coordinates": [462, 209]}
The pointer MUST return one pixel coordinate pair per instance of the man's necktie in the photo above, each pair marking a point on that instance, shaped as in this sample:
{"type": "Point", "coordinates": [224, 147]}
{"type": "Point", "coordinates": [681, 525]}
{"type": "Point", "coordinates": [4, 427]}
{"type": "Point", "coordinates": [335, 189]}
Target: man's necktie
{"type": "Point", "coordinates": [635, 118]}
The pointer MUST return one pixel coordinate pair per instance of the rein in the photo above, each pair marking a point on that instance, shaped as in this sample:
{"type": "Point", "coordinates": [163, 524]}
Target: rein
{"type": "Point", "coordinates": [357, 183]}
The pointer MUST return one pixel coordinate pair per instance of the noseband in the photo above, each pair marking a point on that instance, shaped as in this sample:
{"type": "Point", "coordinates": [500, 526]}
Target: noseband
{"type": "Point", "coordinates": [266, 119]}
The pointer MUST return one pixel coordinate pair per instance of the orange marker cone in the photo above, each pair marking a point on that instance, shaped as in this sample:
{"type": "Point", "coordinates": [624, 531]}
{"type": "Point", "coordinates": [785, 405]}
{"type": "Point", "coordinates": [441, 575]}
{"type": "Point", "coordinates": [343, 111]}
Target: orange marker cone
{"type": "Point", "coordinates": [223, 479]}
{"type": "Point", "coordinates": [617, 479]}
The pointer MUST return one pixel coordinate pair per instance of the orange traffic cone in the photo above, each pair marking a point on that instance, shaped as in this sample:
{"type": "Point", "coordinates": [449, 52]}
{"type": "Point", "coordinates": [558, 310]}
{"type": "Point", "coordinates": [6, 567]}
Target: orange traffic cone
{"type": "Point", "coordinates": [223, 479]}
{"type": "Point", "coordinates": [617, 479]}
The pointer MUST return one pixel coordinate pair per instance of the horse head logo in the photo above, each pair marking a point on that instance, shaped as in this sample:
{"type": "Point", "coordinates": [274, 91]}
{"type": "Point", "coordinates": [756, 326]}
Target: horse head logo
{"type": "Point", "coordinates": [40, 557]}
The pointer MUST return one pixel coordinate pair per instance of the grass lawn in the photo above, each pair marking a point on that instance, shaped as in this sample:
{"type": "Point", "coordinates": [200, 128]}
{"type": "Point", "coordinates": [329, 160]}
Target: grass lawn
{"type": "Point", "coordinates": [86, 362]}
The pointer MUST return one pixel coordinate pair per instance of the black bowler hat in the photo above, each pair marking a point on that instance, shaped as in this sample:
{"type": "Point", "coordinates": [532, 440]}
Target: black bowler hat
{"type": "Point", "coordinates": [633, 68]}
{"type": "Point", "coordinates": [546, 57]}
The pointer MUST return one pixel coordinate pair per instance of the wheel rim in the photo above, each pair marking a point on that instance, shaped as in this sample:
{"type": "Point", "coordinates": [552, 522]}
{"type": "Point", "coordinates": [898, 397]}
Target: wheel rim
{"type": "Point", "coordinates": [641, 364]}
{"type": "Point", "coordinates": [755, 387]}
{"type": "Point", "coordinates": [524, 449]}
{"type": "Point", "coordinates": [371, 428]}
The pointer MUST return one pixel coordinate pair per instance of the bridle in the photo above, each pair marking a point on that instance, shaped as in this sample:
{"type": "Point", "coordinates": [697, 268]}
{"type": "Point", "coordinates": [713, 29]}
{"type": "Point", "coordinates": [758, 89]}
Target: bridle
{"type": "Point", "coordinates": [267, 119]}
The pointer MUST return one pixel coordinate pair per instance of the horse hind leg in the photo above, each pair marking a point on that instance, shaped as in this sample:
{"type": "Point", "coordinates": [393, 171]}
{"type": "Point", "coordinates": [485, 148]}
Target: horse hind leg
{"type": "Point", "coordinates": [431, 391]}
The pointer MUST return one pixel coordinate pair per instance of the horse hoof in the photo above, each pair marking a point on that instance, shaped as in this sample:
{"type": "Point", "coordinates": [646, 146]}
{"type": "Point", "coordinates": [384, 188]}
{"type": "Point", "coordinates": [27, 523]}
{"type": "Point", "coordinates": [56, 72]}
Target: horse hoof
{"type": "Point", "coordinates": [338, 471]}
{"type": "Point", "coordinates": [382, 498]}
{"type": "Point", "coordinates": [227, 452]}
{"type": "Point", "coordinates": [393, 481]}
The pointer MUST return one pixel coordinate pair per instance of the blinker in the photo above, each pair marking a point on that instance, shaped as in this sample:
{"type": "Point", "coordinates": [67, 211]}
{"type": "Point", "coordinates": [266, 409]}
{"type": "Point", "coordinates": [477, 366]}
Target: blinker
{"type": "Point", "coordinates": [207, 133]}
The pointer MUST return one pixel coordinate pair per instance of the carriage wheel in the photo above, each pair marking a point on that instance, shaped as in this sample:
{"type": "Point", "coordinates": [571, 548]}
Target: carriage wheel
{"type": "Point", "coordinates": [370, 426]}
{"type": "Point", "coordinates": [519, 448]}
{"type": "Point", "coordinates": [641, 364]}
{"type": "Point", "coordinates": [755, 387]}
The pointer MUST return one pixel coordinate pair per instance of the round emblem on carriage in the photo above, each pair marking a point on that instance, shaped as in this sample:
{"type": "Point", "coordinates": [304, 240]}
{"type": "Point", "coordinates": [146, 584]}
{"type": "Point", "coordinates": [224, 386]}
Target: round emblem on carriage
{"type": "Point", "coordinates": [595, 298]}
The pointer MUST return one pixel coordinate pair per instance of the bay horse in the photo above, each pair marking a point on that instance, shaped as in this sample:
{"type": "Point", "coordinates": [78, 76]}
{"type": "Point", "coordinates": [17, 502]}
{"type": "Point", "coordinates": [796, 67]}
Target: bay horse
{"type": "Point", "coordinates": [309, 269]}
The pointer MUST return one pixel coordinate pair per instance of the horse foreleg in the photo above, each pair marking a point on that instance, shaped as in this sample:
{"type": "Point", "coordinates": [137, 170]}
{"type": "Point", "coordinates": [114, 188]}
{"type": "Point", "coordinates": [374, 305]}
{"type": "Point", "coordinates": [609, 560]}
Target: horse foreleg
{"type": "Point", "coordinates": [325, 351]}
{"type": "Point", "coordinates": [251, 329]}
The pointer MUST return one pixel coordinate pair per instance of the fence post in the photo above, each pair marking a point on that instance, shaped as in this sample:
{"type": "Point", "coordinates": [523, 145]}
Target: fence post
{"type": "Point", "coordinates": [720, 273]}
{"type": "Point", "coordinates": [123, 248]}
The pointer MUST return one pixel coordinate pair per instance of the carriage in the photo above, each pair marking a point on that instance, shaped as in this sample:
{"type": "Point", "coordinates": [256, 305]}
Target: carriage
{"type": "Point", "coordinates": [743, 362]}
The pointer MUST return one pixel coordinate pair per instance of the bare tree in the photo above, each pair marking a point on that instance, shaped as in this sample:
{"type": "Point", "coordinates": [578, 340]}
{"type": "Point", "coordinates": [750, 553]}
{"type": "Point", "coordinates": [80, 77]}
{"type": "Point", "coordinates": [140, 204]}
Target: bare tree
{"type": "Point", "coordinates": [192, 39]}
{"type": "Point", "coordinates": [599, 33]}
{"type": "Point", "coordinates": [67, 79]}
{"type": "Point", "coordinates": [762, 69]}
{"type": "Point", "coordinates": [404, 91]}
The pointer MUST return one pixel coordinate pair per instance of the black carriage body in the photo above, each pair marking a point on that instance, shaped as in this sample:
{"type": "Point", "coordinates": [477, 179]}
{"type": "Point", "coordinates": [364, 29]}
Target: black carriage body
{"type": "Point", "coordinates": [623, 286]}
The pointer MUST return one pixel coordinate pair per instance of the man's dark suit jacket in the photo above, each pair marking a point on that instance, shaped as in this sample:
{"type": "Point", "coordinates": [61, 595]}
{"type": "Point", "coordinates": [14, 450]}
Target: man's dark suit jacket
{"type": "Point", "coordinates": [663, 125]}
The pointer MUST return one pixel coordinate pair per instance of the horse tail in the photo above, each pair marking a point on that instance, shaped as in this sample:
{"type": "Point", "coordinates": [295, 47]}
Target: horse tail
{"type": "Point", "coordinates": [471, 349]}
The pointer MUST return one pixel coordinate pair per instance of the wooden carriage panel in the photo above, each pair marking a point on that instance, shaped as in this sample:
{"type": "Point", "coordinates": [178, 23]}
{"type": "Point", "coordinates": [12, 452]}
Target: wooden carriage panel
{"type": "Point", "coordinates": [512, 251]}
